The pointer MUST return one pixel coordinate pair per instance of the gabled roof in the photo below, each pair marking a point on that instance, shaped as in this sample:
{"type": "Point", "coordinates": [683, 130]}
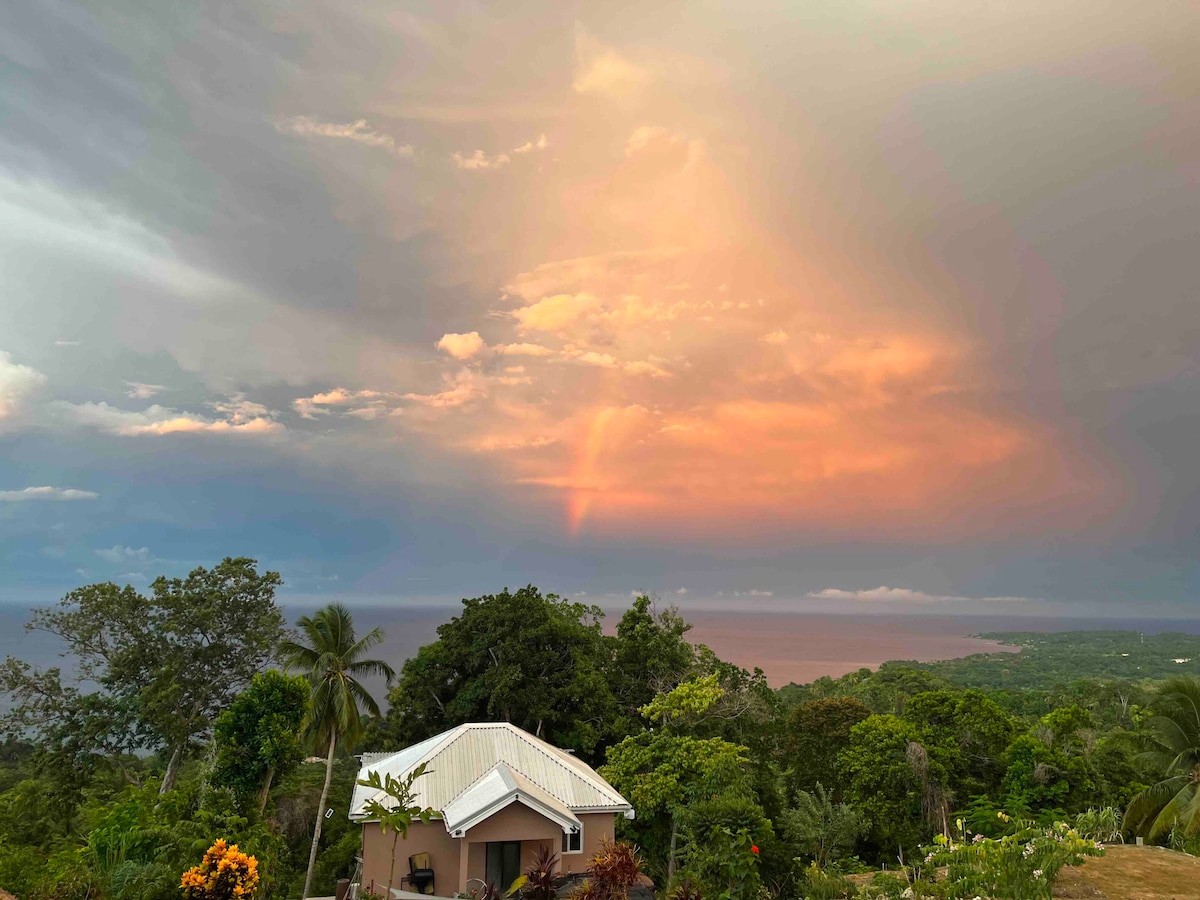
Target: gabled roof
{"type": "Point", "coordinates": [464, 764]}
{"type": "Point", "coordinates": [499, 787]}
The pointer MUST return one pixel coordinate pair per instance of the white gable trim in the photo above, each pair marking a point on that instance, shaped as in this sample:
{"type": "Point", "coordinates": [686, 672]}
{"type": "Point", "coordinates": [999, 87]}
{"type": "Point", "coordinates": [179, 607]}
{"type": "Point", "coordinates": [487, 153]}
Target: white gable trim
{"type": "Point", "coordinates": [568, 823]}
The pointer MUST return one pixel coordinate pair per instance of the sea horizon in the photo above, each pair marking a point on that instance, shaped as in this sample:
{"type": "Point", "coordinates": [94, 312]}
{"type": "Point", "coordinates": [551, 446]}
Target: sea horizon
{"type": "Point", "coordinates": [798, 646]}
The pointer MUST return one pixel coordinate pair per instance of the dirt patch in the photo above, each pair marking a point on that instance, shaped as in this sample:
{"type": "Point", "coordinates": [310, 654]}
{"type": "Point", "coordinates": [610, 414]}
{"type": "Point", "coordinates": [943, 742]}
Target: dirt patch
{"type": "Point", "coordinates": [1132, 873]}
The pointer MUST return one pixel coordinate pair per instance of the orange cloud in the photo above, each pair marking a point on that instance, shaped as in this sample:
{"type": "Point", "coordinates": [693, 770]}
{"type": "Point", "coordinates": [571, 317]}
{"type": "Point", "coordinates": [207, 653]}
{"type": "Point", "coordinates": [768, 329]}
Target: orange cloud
{"type": "Point", "coordinates": [461, 346]}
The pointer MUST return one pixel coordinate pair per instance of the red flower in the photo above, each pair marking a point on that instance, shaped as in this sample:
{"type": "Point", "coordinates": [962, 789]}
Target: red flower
{"type": "Point", "coordinates": [754, 849]}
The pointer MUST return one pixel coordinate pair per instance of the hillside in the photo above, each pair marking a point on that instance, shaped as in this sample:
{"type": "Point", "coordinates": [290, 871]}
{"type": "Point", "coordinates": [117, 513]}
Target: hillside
{"type": "Point", "coordinates": [1133, 873]}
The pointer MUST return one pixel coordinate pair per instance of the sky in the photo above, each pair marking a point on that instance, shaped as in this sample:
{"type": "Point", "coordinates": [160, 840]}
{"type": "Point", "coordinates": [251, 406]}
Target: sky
{"type": "Point", "coordinates": [832, 306]}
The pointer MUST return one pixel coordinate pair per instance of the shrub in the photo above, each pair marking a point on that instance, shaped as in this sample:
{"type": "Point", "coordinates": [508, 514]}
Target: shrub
{"type": "Point", "coordinates": [226, 873]}
{"type": "Point", "coordinates": [614, 870]}
{"type": "Point", "coordinates": [725, 866]}
{"type": "Point", "coordinates": [817, 884]}
{"type": "Point", "coordinates": [1019, 866]}
{"type": "Point", "coordinates": [1100, 825]}
{"type": "Point", "coordinates": [541, 882]}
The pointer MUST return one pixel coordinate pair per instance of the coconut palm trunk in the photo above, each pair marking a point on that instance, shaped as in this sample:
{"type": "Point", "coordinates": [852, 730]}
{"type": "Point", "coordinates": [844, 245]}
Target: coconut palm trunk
{"type": "Point", "coordinates": [312, 853]}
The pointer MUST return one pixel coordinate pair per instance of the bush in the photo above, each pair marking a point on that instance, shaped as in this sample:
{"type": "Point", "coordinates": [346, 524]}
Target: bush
{"type": "Point", "coordinates": [724, 866]}
{"type": "Point", "coordinates": [816, 884]}
{"type": "Point", "coordinates": [1019, 866]}
{"type": "Point", "coordinates": [1100, 825]}
{"type": "Point", "coordinates": [225, 873]}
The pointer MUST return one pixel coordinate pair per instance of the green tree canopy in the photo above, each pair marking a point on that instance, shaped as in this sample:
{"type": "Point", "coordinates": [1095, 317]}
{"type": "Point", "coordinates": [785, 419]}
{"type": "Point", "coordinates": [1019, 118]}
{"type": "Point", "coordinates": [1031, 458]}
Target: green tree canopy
{"type": "Point", "coordinates": [166, 664]}
{"type": "Point", "coordinates": [896, 782]}
{"type": "Point", "coordinates": [535, 660]}
{"type": "Point", "coordinates": [816, 733]}
{"type": "Point", "coordinates": [258, 737]}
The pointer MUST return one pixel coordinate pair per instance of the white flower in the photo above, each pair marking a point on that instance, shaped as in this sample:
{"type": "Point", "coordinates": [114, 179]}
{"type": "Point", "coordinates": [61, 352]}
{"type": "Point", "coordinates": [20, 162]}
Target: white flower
{"type": "Point", "coordinates": [1037, 873]}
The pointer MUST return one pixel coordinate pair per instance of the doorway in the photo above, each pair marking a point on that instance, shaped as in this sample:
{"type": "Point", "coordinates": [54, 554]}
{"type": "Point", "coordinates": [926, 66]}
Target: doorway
{"type": "Point", "coordinates": [503, 865]}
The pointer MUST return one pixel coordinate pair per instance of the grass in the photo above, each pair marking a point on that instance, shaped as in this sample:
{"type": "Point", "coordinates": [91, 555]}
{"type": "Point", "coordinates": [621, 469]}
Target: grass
{"type": "Point", "coordinates": [1132, 873]}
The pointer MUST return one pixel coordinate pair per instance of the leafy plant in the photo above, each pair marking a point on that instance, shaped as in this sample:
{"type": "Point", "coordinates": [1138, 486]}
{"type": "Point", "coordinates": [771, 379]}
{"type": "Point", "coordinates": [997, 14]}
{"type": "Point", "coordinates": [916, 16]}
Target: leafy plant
{"type": "Point", "coordinates": [725, 865]}
{"type": "Point", "coordinates": [1100, 825]}
{"type": "Point", "coordinates": [541, 882]}
{"type": "Point", "coordinates": [611, 872]}
{"type": "Point", "coordinates": [685, 889]}
{"type": "Point", "coordinates": [821, 828]}
{"type": "Point", "coordinates": [225, 873]}
{"type": "Point", "coordinates": [1019, 866]}
{"type": "Point", "coordinates": [1172, 747]}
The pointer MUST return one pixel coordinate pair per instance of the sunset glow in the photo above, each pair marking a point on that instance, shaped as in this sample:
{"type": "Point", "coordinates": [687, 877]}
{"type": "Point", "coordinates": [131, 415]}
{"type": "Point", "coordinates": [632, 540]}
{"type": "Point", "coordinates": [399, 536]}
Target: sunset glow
{"type": "Point", "coordinates": [794, 297]}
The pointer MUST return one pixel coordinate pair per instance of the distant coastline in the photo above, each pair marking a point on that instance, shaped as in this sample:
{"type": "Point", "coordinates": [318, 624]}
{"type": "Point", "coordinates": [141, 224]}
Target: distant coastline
{"type": "Point", "coordinates": [789, 647]}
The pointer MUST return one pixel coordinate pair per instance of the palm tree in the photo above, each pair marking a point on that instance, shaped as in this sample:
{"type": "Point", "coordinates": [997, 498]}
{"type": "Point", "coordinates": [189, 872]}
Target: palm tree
{"type": "Point", "coordinates": [1172, 747]}
{"type": "Point", "coordinates": [334, 660]}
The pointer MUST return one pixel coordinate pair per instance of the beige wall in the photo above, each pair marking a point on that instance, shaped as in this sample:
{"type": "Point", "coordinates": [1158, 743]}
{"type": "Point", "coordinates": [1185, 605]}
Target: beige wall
{"type": "Point", "coordinates": [423, 837]}
{"type": "Point", "coordinates": [596, 827]}
{"type": "Point", "coordinates": [515, 822]}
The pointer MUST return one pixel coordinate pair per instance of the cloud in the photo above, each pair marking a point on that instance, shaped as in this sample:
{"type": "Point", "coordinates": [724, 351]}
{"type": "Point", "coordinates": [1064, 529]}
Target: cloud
{"type": "Point", "coordinates": [67, 343]}
{"type": "Point", "coordinates": [522, 349]}
{"type": "Point", "coordinates": [499, 443]}
{"type": "Point", "coordinates": [462, 388]}
{"type": "Point", "coordinates": [461, 346]}
{"type": "Point", "coordinates": [555, 313]}
{"type": "Point", "coordinates": [592, 358]}
{"type": "Point", "coordinates": [46, 492]}
{"type": "Point", "coordinates": [160, 420]}
{"type": "Point", "coordinates": [681, 591]}
{"type": "Point", "coordinates": [479, 161]}
{"type": "Point", "coordinates": [17, 383]}
{"type": "Point", "coordinates": [647, 136]}
{"type": "Point", "coordinates": [240, 411]}
{"type": "Point", "coordinates": [602, 71]}
{"type": "Point", "coordinates": [530, 146]}
{"type": "Point", "coordinates": [317, 404]}
{"type": "Point", "coordinates": [141, 391]}
{"type": "Point", "coordinates": [122, 555]}
{"type": "Point", "coordinates": [885, 594]}
{"type": "Point", "coordinates": [776, 337]}
{"type": "Point", "coordinates": [358, 132]}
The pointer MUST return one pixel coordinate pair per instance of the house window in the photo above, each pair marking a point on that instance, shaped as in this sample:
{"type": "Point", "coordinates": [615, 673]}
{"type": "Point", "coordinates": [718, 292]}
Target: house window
{"type": "Point", "coordinates": [573, 842]}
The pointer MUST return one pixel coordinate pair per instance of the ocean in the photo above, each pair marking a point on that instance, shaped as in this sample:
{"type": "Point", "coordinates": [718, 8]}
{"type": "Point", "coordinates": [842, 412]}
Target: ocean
{"type": "Point", "coordinates": [788, 647]}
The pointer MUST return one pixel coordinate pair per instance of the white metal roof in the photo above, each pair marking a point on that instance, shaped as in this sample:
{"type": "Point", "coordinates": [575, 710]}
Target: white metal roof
{"type": "Point", "coordinates": [459, 758]}
{"type": "Point", "coordinates": [499, 787]}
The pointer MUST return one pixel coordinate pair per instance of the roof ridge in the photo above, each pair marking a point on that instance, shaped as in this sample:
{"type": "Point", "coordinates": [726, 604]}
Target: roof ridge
{"type": "Point", "coordinates": [597, 783]}
{"type": "Point", "coordinates": [478, 778]}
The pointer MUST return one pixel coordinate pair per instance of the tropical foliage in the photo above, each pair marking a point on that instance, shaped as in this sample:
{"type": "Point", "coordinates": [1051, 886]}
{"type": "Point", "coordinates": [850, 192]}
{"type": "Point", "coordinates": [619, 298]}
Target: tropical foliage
{"type": "Point", "coordinates": [1171, 739]}
{"type": "Point", "coordinates": [225, 873]}
{"type": "Point", "coordinates": [168, 730]}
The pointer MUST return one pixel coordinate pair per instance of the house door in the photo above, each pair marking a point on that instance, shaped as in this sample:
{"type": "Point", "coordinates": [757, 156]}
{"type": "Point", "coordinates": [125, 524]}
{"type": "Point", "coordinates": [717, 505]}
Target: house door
{"type": "Point", "coordinates": [503, 863]}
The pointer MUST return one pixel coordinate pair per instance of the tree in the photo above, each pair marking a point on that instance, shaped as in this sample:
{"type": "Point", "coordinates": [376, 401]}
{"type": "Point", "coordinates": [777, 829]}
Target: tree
{"type": "Point", "coordinates": [537, 661]}
{"type": "Point", "coordinates": [651, 654]}
{"type": "Point", "coordinates": [821, 828]}
{"type": "Point", "coordinates": [894, 781]}
{"type": "Point", "coordinates": [258, 737]}
{"type": "Point", "coordinates": [398, 812]}
{"type": "Point", "coordinates": [169, 662]}
{"type": "Point", "coordinates": [663, 770]}
{"type": "Point", "coordinates": [972, 731]}
{"type": "Point", "coordinates": [1171, 743]}
{"type": "Point", "coordinates": [817, 732]}
{"type": "Point", "coordinates": [334, 659]}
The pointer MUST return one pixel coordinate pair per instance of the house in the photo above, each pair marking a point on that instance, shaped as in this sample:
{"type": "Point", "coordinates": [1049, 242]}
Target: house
{"type": "Point", "coordinates": [502, 794]}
